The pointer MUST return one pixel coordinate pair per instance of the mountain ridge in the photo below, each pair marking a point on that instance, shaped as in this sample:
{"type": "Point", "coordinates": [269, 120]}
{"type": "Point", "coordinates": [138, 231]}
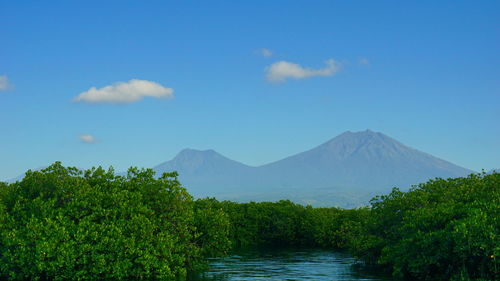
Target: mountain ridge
{"type": "Point", "coordinates": [360, 162]}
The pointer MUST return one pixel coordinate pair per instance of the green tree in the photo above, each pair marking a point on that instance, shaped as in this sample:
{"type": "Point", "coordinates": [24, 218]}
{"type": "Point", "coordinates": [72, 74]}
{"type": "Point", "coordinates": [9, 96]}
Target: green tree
{"type": "Point", "coordinates": [65, 224]}
{"type": "Point", "coordinates": [213, 227]}
{"type": "Point", "coordinates": [440, 230]}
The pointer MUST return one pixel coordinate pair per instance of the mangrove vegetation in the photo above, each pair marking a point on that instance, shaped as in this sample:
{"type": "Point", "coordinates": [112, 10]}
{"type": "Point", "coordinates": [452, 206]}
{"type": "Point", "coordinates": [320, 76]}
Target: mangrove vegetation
{"type": "Point", "coordinates": [62, 223]}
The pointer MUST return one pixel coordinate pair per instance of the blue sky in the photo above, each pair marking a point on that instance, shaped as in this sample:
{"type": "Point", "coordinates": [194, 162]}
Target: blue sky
{"type": "Point", "coordinates": [423, 72]}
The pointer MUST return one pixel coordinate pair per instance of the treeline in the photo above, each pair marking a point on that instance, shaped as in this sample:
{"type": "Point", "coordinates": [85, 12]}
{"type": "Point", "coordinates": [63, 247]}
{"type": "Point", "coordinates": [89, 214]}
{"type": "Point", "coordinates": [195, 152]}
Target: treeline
{"type": "Point", "coordinates": [286, 224]}
{"type": "Point", "coordinates": [62, 223]}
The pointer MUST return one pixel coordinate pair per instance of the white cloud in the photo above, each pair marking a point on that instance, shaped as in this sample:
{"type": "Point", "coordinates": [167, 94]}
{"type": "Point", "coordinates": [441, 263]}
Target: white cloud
{"type": "Point", "coordinates": [125, 92]}
{"type": "Point", "coordinates": [363, 61]}
{"type": "Point", "coordinates": [265, 52]}
{"type": "Point", "coordinates": [4, 83]}
{"type": "Point", "coordinates": [282, 70]}
{"type": "Point", "coordinates": [87, 138]}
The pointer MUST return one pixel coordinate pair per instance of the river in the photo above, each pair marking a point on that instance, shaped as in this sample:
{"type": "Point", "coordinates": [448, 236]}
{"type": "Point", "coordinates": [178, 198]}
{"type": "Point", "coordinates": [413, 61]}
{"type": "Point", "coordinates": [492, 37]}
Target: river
{"type": "Point", "coordinates": [287, 264]}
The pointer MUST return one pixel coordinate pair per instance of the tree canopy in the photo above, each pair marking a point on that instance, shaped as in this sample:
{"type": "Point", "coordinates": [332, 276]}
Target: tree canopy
{"type": "Point", "coordinates": [65, 224]}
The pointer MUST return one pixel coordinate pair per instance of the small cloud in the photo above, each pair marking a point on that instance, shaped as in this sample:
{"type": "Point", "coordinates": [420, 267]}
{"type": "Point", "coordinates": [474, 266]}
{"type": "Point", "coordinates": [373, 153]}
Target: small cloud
{"type": "Point", "coordinates": [4, 83]}
{"type": "Point", "coordinates": [87, 138]}
{"type": "Point", "coordinates": [363, 61]}
{"type": "Point", "coordinates": [265, 52]}
{"type": "Point", "coordinates": [125, 92]}
{"type": "Point", "coordinates": [282, 70]}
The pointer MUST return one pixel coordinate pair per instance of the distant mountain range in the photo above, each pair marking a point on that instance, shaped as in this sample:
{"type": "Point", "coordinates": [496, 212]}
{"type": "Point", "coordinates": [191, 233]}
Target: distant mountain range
{"type": "Point", "coordinates": [345, 171]}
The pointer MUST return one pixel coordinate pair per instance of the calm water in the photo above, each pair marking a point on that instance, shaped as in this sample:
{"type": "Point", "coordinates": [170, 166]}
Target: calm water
{"type": "Point", "coordinates": [287, 264]}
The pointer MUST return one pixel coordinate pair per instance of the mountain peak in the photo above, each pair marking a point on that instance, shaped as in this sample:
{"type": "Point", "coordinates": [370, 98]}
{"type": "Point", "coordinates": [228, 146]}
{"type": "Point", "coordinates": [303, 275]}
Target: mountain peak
{"type": "Point", "coordinates": [349, 142]}
{"type": "Point", "coordinates": [190, 161]}
{"type": "Point", "coordinates": [191, 152]}
{"type": "Point", "coordinates": [364, 133]}
{"type": "Point", "coordinates": [189, 155]}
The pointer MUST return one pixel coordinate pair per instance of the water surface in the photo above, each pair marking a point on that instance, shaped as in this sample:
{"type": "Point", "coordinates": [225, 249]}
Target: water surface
{"type": "Point", "coordinates": [287, 264]}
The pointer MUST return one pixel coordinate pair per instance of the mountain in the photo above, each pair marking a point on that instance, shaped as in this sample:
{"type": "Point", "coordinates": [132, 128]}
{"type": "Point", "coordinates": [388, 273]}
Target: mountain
{"type": "Point", "coordinates": [345, 171]}
{"type": "Point", "coordinates": [207, 170]}
{"type": "Point", "coordinates": [361, 160]}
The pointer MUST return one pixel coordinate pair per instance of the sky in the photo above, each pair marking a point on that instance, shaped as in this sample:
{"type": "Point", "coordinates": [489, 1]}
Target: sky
{"type": "Point", "coordinates": [131, 83]}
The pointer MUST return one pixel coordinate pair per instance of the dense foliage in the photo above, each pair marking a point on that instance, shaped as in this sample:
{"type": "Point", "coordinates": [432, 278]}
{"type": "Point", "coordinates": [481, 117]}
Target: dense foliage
{"type": "Point", "coordinates": [285, 224]}
{"type": "Point", "coordinates": [62, 223]}
{"type": "Point", "coordinates": [440, 230]}
{"type": "Point", "coordinates": [65, 224]}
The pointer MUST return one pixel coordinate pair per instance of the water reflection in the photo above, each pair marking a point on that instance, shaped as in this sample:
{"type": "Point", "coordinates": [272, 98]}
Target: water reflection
{"type": "Point", "coordinates": [287, 264]}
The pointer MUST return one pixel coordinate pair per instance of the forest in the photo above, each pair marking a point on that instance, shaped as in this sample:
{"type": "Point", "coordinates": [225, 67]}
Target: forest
{"type": "Point", "coordinates": [62, 223]}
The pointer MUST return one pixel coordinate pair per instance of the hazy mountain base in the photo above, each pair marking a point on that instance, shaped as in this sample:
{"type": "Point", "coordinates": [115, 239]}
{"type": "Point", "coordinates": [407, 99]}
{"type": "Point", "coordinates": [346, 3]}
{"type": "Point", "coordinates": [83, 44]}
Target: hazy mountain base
{"type": "Point", "coordinates": [317, 197]}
